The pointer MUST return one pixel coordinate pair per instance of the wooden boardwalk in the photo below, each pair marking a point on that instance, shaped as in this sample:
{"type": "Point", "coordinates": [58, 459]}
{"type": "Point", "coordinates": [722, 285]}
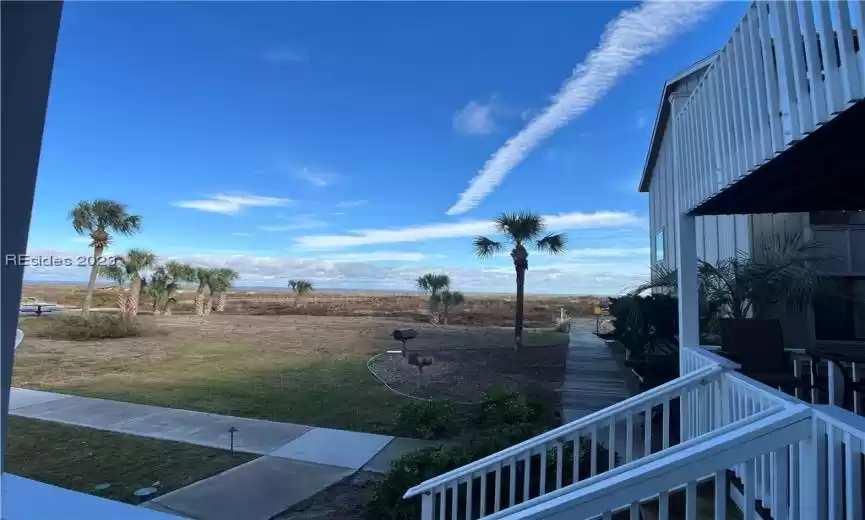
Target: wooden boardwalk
{"type": "Point", "coordinates": [593, 378]}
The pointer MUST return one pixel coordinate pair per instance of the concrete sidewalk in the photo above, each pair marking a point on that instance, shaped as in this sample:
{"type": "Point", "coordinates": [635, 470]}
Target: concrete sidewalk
{"type": "Point", "coordinates": [297, 461]}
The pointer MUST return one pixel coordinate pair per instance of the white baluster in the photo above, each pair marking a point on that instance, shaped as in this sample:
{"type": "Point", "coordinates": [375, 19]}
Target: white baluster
{"type": "Point", "coordinates": [664, 506]}
{"type": "Point", "coordinates": [611, 447]}
{"type": "Point", "coordinates": [469, 497]}
{"type": "Point", "coordinates": [850, 82]}
{"type": "Point", "coordinates": [797, 59]}
{"type": "Point", "coordinates": [746, 105]}
{"type": "Point", "coordinates": [559, 460]}
{"type": "Point", "coordinates": [815, 76]}
{"type": "Point", "coordinates": [527, 470]}
{"type": "Point", "coordinates": [482, 511]}
{"type": "Point", "coordinates": [834, 102]}
{"type": "Point", "coordinates": [853, 476]}
{"type": "Point", "coordinates": [427, 506]}
{"type": "Point", "coordinates": [785, 70]}
{"type": "Point", "coordinates": [771, 77]}
{"type": "Point", "coordinates": [497, 499]}
{"type": "Point", "coordinates": [593, 470]}
{"type": "Point", "coordinates": [834, 470]}
{"type": "Point", "coordinates": [512, 483]}
{"type": "Point", "coordinates": [758, 79]}
{"type": "Point", "coordinates": [749, 482]}
{"type": "Point", "coordinates": [721, 494]}
{"type": "Point", "coordinates": [647, 431]}
{"type": "Point", "coordinates": [665, 427]}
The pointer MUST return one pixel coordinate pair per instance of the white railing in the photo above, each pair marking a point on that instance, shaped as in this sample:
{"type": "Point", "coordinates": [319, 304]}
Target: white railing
{"type": "Point", "coordinates": [730, 426]}
{"type": "Point", "coordinates": [681, 469]}
{"type": "Point", "coordinates": [566, 455]}
{"type": "Point", "coordinates": [826, 381]}
{"type": "Point", "coordinates": [789, 67]}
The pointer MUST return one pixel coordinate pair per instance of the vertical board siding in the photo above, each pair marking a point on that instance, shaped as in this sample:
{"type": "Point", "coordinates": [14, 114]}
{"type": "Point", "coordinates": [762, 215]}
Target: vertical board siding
{"type": "Point", "coordinates": [787, 69]}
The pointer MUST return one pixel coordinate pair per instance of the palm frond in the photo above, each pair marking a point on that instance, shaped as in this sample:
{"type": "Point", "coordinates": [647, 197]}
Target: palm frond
{"type": "Point", "coordinates": [553, 243]}
{"type": "Point", "coordinates": [451, 298]}
{"type": "Point", "coordinates": [485, 247]}
{"type": "Point", "coordinates": [82, 217]}
{"type": "Point", "coordinates": [520, 227]}
{"type": "Point", "coordinates": [114, 272]}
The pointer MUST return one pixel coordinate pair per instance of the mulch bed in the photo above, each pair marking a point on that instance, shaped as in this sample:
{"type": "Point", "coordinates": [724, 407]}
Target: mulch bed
{"type": "Point", "coordinates": [464, 375]}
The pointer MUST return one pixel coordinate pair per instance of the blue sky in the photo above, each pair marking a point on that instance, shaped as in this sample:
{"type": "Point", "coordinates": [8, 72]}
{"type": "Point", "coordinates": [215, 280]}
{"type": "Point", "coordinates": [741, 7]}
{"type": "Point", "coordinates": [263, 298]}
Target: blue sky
{"type": "Point", "coordinates": [337, 141]}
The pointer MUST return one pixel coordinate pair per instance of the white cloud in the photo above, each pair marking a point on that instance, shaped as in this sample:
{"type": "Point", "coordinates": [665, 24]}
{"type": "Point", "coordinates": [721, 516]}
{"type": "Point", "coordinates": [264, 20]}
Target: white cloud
{"type": "Point", "coordinates": [339, 213]}
{"type": "Point", "coordinates": [240, 234]}
{"type": "Point", "coordinates": [351, 203]}
{"type": "Point", "coordinates": [81, 240]}
{"type": "Point", "coordinates": [476, 118]}
{"type": "Point", "coordinates": [318, 179]}
{"type": "Point", "coordinates": [230, 204]}
{"type": "Point", "coordinates": [496, 276]}
{"type": "Point", "coordinates": [632, 35]}
{"type": "Point", "coordinates": [467, 228]}
{"type": "Point", "coordinates": [377, 256]}
{"type": "Point", "coordinates": [609, 252]}
{"type": "Point", "coordinates": [285, 55]}
{"type": "Point", "coordinates": [299, 222]}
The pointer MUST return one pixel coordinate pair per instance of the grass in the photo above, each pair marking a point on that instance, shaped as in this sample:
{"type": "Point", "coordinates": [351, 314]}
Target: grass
{"type": "Point", "coordinates": [303, 369]}
{"type": "Point", "coordinates": [81, 458]}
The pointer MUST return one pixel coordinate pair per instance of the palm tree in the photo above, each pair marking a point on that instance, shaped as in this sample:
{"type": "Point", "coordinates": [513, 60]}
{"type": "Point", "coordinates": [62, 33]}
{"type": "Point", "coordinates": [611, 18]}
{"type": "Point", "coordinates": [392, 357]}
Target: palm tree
{"type": "Point", "coordinates": [226, 278]}
{"type": "Point", "coordinates": [786, 272]}
{"type": "Point", "coordinates": [203, 275]}
{"type": "Point", "coordinates": [136, 262]}
{"type": "Point", "coordinates": [300, 287]}
{"type": "Point", "coordinates": [448, 299]}
{"type": "Point", "coordinates": [432, 283]}
{"type": "Point", "coordinates": [520, 230]}
{"type": "Point", "coordinates": [158, 288]}
{"type": "Point", "coordinates": [177, 273]}
{"type": "Point", "coordinates": [117, 274]}
{"type": "Point", "coordinates": [97, 219]}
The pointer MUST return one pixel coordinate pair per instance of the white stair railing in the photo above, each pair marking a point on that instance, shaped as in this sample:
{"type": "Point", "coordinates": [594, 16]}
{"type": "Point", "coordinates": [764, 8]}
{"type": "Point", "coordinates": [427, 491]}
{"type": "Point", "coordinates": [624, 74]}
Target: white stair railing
{"type": "Point", "coordinates": [568, 454]}
{"type": "Point", "coordinates": [682, 467]}
{"type": "Point", "coordinates": [789, 67]}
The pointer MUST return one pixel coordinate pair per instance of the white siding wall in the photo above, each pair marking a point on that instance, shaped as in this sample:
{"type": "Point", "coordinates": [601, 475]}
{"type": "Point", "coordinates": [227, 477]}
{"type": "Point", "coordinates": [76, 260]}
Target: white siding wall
{"type": "Point", "coordinates": [717, 237]}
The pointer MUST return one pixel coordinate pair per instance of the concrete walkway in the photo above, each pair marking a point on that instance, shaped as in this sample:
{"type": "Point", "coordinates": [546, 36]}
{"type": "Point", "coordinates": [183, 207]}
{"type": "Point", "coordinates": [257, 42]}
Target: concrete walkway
{"type": "Point", "coordinates": [297, 461]}
{"type": "Point", "coordinates": [593, 378]}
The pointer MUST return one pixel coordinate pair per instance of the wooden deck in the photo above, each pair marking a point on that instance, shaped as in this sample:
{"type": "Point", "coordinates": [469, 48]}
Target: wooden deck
{"type": "Point", "coordinates": [593, 378]}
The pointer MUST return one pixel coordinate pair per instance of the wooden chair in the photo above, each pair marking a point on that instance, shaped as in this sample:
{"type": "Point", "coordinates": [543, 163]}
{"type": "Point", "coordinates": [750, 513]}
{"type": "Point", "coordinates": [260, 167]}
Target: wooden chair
{"type": "Point", "coordinates": [758, 345]}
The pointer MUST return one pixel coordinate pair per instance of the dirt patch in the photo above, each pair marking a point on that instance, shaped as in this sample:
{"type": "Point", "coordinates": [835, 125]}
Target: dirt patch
{"type": "Point", "coordinates": [345, 500]}
{"type": "Point", "coordinates": [465, 375]}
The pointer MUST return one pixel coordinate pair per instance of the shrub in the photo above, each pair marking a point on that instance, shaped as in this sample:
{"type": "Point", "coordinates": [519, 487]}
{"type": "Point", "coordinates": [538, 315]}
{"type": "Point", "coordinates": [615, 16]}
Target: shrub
{"type": "Point", "coordinates": [414, 468]}
{"type": "Point", "coordinates": [427, 419]}
{"type": "Point", "coordinates": [502, 407]}
{"type": "Point", "coordinates": [642, 322]}
{"type": "Point", "coordinates": [77, 327]}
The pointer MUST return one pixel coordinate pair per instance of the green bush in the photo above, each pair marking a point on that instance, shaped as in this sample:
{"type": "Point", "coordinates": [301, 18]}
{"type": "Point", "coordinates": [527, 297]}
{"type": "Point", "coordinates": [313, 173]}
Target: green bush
{"type": "Point", "coordinates": [427, 419]}
{"type": "Point", "coordinates": [415, 468]}
{"type": "Point", "coordinates": [502, 407]}
{"type": "Point", "coordinates": [77, 327]}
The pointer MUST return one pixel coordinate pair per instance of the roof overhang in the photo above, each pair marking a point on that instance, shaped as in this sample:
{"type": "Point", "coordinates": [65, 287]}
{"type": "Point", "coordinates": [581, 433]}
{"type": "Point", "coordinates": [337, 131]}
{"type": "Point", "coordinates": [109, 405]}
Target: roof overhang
{"type": "Point", "coordinates": [663, 116]}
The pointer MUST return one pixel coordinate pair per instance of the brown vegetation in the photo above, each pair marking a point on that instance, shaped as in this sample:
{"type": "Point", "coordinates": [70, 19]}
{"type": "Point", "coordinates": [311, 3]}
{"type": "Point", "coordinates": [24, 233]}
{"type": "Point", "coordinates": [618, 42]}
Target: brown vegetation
{"type": "Point", "coordinates": [478, 309]}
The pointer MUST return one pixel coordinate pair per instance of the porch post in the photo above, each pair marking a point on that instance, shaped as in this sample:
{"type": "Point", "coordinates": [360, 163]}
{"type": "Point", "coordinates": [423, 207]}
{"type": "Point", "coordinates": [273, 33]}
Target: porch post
{"type": "Point", "coordinates": [686, 269]}
{"type": "Point", "coordinates": [29, 37]}
{"type": "Point", "coordinates": [686, 241]}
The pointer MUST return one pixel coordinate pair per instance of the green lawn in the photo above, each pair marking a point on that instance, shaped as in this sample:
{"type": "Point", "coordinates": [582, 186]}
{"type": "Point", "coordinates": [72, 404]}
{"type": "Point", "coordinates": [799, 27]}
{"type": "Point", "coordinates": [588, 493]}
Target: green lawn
{"type": "Point", "coordinates": [302, 369]}
{"type": "Point", "coordinates": [81, 458]}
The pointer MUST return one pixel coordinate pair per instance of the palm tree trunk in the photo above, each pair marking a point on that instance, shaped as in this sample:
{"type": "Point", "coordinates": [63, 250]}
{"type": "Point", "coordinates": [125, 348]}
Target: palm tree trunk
{"type": "Point", "coordinates": [91, 283]}
{"type": "Point", "coordinates": [220, 302]}
{"type": "Point", "coordinates": [123, 302]}
{"type": "Point", "coordinates": [134, 296]}
{"type": "Point", "coordinates": [199, 302]}
{"type": "Point", "coordinates": [445, 316]}
{"type": "Point", "coordinates": [208, 306]}
{"type": "Point", "coordinates": [168, 303]}
{"type": "Point", "coordinates": [518, 319]}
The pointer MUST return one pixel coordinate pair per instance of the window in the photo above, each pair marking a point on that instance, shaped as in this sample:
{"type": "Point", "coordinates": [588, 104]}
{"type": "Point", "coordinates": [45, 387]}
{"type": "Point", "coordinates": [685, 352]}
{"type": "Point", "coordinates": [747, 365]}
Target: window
{"type": "Point", "coordinates": [659, 246]}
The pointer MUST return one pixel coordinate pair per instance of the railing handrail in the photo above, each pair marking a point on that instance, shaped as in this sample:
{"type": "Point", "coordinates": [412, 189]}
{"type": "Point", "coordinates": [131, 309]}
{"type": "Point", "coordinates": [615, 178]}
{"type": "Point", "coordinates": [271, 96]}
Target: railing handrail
{"type": "Point", "coordinates": [841, 418]}
{"type": "Point", "coordinates": [648, 459]}
{"type": "Point", "coordinates": [573, 426]}
{"type": "Point", "coordinates": [779, 396]}
{"type": "Point", "coordinates": [646, 478]}
{"type": "Point", "coordinates": [715, 358]}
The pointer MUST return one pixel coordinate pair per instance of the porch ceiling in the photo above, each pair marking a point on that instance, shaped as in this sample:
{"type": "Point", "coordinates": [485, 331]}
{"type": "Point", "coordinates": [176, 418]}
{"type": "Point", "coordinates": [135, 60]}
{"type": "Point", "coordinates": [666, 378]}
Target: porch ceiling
{"type": "Point", "coordinates": [825, 171]}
